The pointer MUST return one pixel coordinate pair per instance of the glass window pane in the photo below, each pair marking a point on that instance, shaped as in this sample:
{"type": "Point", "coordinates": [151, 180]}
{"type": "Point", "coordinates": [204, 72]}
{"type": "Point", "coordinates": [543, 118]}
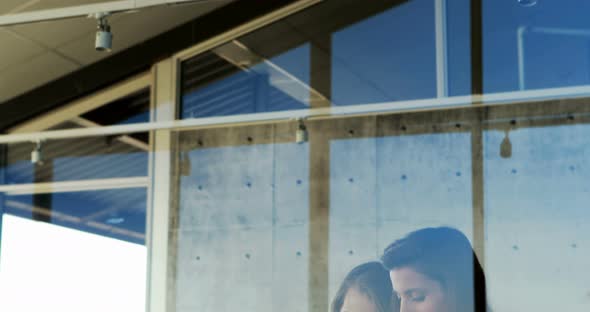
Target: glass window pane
{"type": "Point", "coordinates": [242, 221]}
{"type": "Point", "coordinates": [86, 158]}
{"type": "Point", "coordinates": [65, 249]}
{"type": "Point", "coordinates": [535, 44]}
{"type": "Point", "coordinates": [78, 159]}
{"type": "Point", "coordinates": [286, 223]}
{"type": "Point", "coordinates": [378, 182]}
{"type": "Point", "coordinates": [458, 47]}
{"type": "Point", "coordinates": [251, 212]}
{"type": "Point", "coordinates": [334, 53]}
{"type": "Point", "coordinates": [536, 211]}
{"type": "Point", "coordinates": [386, 57]}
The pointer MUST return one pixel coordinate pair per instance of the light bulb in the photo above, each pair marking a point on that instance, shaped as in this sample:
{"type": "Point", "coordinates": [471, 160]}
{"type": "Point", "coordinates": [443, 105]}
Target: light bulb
{"type": "Point", "coordinates": [506, 147]}
{"type": "Point", "coordinates": [301, 134]}
{"type": "Point", "coordinates": [527, 3]}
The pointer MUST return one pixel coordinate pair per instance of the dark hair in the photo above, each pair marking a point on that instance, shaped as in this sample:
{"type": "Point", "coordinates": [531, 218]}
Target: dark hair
{"type": "Point", "coordinates": [372, 280]}
{"type": "Point", "coordinates": [443, 254]}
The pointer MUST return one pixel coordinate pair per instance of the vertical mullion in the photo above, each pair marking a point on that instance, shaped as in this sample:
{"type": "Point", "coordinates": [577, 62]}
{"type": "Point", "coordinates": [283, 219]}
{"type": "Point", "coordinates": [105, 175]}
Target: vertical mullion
{"type": "Point", "coordinates": [164, 108]}
{"type": "Point", "coordinates": [476, 35]}
{"type": "Point", "coordinates": [319, 180]}
{"type": "Point", "coordinates": [477, 161]}
{"type": "Point", "coordinates": [440, 15]}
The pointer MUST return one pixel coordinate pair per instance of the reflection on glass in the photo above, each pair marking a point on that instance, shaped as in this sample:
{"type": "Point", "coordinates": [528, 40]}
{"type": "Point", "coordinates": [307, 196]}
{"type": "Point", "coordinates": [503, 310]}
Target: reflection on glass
{"type": "Point", "coordinates": [242, 224]}
{"type": "Point", "coordinates": [386, 57]}
{"type": "Point", "coordinates": [537, 216]}
{"type": "Point", "coordinates": [354, 52]}
{"type": "Point", "coordinates": [458, 47]}
{"type": "Point", "coordinates": [233, 79]}
{"type": "Point", "coordinates": [403, 188]}
{"type": "Point", "coordinates": [118, 214]}
{"type": "Point", "coordinates": [436, 270]}
{"type": "Point", "coordinates": [535, 46]}
{"type": "Point", "coordinates": [378, 188]}
{"type": "Point", "coordinates": [340, 53]}
{"type": "Point", "coordinates": [366, 288]}
{"type": "Point", "coordinates": [78, 159]}
{"type": "Point", "coordinates": [85, 158]}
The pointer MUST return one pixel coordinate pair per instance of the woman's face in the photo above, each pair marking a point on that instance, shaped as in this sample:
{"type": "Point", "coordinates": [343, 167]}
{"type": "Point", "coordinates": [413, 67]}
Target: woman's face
{"type": "Point", "coordinates": [417, 292]}
{"type": "Point", "coordinates": [356, 301]}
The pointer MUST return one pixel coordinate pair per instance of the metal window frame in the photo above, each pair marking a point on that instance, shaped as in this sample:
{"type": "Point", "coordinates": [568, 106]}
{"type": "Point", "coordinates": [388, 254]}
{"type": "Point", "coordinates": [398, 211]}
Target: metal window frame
{"type": "Point", "coordinates": [164, 107]}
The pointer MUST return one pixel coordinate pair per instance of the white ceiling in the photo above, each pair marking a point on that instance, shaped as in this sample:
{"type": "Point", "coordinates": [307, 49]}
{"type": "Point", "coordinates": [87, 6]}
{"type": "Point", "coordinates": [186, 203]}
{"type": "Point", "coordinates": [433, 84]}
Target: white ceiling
{"type": "Point", "coordinates": [34, 54]}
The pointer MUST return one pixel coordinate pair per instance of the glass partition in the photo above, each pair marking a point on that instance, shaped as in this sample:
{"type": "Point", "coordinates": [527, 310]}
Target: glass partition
{"type": "Point", "coordinates": [242, 220]}
{"type": "Point", "coordinates": [73, 226]}
{"type": "Point", "coordinates": [350, 53]}
{"type": "Point", "coordinates": [285, 223]}
{"type": "Point", "coordinates": [480, 207]}
{"type": "Point", "coordinates": [534, 44]}
{"type": "Point", "coordinates": [79, 159]}
{"type": "Point", "coordinates": [536, 213]}
{"type": "Point", "coordinates": [334, 53]}
{"type": "Point", "coordinates": [73, 216]}
{"type": "Point", "coordinates": [90, 158]}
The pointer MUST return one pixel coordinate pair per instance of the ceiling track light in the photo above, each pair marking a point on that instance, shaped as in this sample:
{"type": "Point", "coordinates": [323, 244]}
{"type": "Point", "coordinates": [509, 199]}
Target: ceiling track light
{"type": "Point", "coordinates": [37, 154]}
{"type": "Point", "coordinates": [74, 11]}
{"type": "Point", "coordinates": [104, 37]}
{"type": "Point", "coordinates": [301, 135]}
{"type": "Point", "coordinates": [99, 11]}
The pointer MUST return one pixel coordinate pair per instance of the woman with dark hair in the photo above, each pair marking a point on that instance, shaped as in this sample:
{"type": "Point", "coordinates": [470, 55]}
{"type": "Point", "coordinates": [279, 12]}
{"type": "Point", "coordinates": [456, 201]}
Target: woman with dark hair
{"type": "Point", "coordinates": [366, 288]}
{"type": "Point", "coordinates": [436, 270]}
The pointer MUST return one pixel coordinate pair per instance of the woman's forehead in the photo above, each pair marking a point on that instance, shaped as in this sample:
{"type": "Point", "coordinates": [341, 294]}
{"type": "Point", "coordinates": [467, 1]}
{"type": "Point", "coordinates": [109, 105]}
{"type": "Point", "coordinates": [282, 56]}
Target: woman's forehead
{"type": "Point", "coordinates": [405, 279]}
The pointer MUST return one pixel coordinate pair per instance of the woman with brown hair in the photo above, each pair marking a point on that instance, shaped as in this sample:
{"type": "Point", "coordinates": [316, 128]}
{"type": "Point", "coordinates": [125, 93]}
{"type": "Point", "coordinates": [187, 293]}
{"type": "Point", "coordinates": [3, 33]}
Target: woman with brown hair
{"type": "Point", "coordinates": [366, 288]}
{"type": "Point", "coordinates": [436, 270]}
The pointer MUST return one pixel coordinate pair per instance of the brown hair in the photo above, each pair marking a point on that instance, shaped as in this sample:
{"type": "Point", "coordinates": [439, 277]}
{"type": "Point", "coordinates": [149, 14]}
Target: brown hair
{"type": "Point", "coordinates": [371, 279]}
{"type": "Point", "coordinates": [443, 254]}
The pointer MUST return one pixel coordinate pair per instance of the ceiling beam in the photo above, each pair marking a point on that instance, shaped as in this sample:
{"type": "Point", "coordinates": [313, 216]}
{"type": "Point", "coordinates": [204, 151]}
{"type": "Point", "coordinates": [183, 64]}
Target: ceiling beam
{"type": "Point", "coordinates": [122, 138]}
{"type": "Point", "coordinates": [88, 10]}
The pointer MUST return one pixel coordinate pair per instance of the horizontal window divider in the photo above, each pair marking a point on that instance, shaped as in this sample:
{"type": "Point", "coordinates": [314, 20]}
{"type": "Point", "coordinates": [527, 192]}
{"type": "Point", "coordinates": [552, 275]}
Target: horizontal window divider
{"type": "Point", "coordinates": [496, 99]}
{"type": "Point", "coordinates": [74, 186]}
